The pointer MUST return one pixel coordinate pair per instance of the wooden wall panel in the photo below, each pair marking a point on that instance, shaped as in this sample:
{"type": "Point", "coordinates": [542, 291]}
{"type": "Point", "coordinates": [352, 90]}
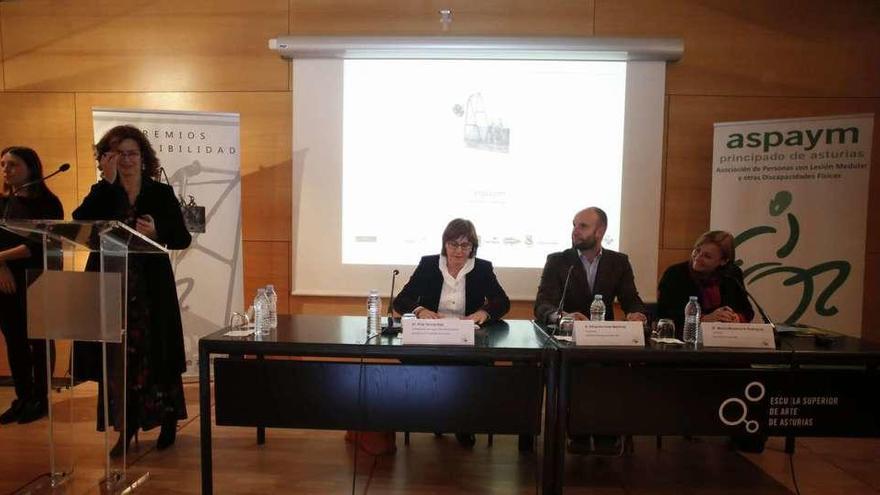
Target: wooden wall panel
{"type": "Point", "coordinates": [870, 315]}
{"type": "Point", "coordinates": [131, 45]}
{"type": "Point", "coordinates": [212, 55]}
{"type": "Point", "coordinates": [669, 257]}
{"type": "Point", "coordinates": [267, 263]}
{"type": "Point", "coordinates": [265, 148]}
{"type": "Point", "coordinates": [43, 122]}
{"type": "Point", "coordinates": [470, 17]}
{"type": "Point", "coordinates": [688, 172]}
{"type": "Point", "coordinates": [2, 58]}
{"type": "Point", "coordinates": [874, 196]}
{"type": "Point", "coordinates": [327, 305]}
{"type": "Point", "coordinates": [756, 47]}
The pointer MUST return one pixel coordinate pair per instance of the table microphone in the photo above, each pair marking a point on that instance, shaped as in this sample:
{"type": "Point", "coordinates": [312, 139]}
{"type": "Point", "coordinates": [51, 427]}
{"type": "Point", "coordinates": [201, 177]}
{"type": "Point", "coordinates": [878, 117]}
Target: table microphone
{"type": "Point", "coordinates": [729, 274]}
{"type": "Point", "coordinates": [389, 329]}
{"type": "Point", "coordinates": [63, 168]}
{"type": "Point", "coordinates": [562, 299]}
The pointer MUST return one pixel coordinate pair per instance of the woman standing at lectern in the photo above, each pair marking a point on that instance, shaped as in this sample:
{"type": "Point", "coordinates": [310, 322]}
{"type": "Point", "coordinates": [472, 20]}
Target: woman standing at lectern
{"type": "Point", "coordinates": [129, 192]}
{"type": "Point", "coordinates": [23, 199]}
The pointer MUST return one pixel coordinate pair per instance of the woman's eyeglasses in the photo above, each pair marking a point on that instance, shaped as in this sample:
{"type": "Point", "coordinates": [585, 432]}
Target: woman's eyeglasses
{"type": "Point", "coordinates": [129, 154]}
{"type": "Point", "coordinates": [466, 246]}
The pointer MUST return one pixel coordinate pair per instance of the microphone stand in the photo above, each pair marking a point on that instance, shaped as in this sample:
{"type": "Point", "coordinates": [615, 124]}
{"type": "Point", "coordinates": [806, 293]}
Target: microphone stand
{"type": "Point", "coordinates": [15, 190]}
{"type": "Point", "coordinates": [8, 202]}
{"type": "Point", "coordinates": [389, 329]}
{"type": "Point", "coordinates": [555, 325]}
{"type": "Point", "coordinates": [761, 311]}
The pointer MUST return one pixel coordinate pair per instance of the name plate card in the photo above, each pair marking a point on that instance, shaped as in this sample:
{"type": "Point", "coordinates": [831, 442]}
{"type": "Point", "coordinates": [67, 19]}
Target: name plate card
{"type": "Point", "coordinates": [446, 331]}
{"type": "Point", "coordinates": [746, 335]}
{"type": "Point", "coordinates": [609, 333]}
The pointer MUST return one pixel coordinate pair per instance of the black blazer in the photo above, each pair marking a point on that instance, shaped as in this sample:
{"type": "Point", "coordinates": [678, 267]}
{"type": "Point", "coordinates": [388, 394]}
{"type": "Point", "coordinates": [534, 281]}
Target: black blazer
{"type": "Point", "coordinates": [27, 208]}
{"type": "Point", "coordinates": [614, 279]}
{"type": "Point", "coordinates": [677, 285]}
{"type": "Point", "coordinates": [482, 290]}
{"type": "Point", "coordinates": [107, 201]}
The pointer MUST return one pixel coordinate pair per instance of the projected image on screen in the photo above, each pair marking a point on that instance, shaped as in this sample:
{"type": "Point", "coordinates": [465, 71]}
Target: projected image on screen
{"type": "Point", "coordinates": [515, 146]}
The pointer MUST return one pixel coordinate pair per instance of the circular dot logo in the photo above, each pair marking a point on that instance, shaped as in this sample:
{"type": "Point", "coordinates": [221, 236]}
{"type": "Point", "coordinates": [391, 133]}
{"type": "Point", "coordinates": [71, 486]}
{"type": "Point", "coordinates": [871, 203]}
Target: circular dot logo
{"type": "Point", "coordinates": [734, 410]}
{"type": "Point", "coordinates": [755, 386]}
{"type": "Point", "coordinates": [725, 416]}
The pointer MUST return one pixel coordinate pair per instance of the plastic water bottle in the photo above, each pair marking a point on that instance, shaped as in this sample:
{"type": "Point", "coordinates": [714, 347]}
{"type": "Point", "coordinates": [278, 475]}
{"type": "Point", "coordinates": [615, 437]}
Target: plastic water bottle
{"type": "Point", "coordinates": [261, 310]}
{"type": "Point", "coordinates": [692, 321]}
{"type": "Point", "coordinates": [272, 314]}
{"type": "Point", "coordinates": [374, 321]}
{"type": "Point", "coordinates": [597, 309]}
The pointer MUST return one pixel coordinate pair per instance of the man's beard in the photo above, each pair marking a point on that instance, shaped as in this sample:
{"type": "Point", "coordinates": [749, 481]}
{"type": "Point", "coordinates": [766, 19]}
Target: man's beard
{"type": "Point", "coordinates": [586, 244]}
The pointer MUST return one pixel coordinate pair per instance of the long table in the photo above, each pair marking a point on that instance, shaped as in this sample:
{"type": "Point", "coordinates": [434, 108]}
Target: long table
{"type": "Point", "coordinates": [423, 388]}
{"type": "Point", "coordinates": [798, 389]}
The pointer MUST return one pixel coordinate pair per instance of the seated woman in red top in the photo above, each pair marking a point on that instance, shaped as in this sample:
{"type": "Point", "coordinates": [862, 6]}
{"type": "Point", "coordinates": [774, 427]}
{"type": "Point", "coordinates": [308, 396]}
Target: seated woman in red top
{"type": "Point", "coordinates": [711, 276]}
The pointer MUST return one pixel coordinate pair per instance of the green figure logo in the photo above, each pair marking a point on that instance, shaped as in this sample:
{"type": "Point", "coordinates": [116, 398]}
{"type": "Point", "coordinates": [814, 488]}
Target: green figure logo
{"type": "Point", "coordinates": [778, 205]}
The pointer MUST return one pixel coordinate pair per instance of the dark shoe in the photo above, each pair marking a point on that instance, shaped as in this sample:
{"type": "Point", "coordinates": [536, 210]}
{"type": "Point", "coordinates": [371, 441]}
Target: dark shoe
{"type": "Point", "coordinates": [122, 444]}
{"type": "Point", "coordinates": [604, 445]}
{"type": "Point", "coordinates": [33, 410]}
{"type": "Point", "coordinates": [526, 443]}
{"type": "Point", "coordinates": [580, 445]}
{"type": "Point", "coordinates": [11, 415]}
{"type": "Point", "coordinates": [753, 444]}
{"type": "Point", "coordinates": [466, 439]}
{"type": "Point", "coordinates": [167, 435]}
{"type": "Point", "coordinates": [607, 445]}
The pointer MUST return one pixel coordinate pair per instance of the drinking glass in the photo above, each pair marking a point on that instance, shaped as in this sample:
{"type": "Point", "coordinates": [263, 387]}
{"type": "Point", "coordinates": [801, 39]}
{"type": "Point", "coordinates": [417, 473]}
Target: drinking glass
{"type": "Point", "coordinates": [566, 326]}
{"type": "Point", "coordinates": [665, 329]}
{"type": "Point", "coordinates": [238, 320]}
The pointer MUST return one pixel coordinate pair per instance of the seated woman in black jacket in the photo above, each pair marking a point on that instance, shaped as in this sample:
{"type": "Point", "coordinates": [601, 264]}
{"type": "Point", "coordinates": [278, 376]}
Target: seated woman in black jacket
{"type": "Point", "coordinates": [718, 284]}
{"type": "Point", "coordinates": [711, 276]}
{"type": "Point", "coordinates": [454, 283]}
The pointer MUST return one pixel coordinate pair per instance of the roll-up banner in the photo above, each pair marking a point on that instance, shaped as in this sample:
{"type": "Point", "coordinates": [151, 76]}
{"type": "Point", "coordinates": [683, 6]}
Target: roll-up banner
{"type": "Point", "coordinates": [794, 193]}
{"type": "Point", "coordinates": [200, 154]}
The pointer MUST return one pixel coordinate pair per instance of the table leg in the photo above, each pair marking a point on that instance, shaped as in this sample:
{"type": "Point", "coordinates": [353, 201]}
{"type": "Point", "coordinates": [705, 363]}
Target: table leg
{"type": "Point", "coordinates": [205, 419]}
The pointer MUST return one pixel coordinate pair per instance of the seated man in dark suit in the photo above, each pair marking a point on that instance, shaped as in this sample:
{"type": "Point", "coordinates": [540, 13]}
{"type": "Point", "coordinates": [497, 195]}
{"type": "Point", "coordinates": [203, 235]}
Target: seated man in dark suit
{"type": "Point", "coordinates": [594, 270]}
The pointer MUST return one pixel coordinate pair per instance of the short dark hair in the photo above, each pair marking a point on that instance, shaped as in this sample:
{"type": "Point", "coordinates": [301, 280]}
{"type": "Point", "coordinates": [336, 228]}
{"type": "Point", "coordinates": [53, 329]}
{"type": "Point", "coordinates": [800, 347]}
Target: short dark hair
{"type": "Point", "coordinates": [460, 227]}
{"type": "Point", "coordinates": [120, 133]}
{"type": "Point", "coordinates": [34, 167]}
{"type": "Point", "coordinates": [603, 217]}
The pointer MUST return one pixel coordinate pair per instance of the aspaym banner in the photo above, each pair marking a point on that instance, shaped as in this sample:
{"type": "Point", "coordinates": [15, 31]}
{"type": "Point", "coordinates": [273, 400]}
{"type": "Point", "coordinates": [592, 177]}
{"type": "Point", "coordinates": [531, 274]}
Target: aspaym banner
{"type": "Point", "coordinates": [794, 193]}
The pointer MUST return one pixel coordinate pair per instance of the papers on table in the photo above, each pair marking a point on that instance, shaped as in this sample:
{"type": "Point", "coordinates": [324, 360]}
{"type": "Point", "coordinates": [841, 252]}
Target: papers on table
{"type": "Point", "coordinates": [745, 335]}
{"type": "Point", "coordinates": [239, 333]}
{"type": "Point", "coordinates": [609, 333]}
{"type": "Point", "coordinates": [446, 331]}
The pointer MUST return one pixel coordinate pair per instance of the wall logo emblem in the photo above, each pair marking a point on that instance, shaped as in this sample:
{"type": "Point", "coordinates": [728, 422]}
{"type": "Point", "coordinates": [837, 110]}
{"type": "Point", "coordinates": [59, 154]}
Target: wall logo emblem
{"type": "Point", "coordinates": [734, 410]}
{"type": "Point", "coordinates": [806, 277]}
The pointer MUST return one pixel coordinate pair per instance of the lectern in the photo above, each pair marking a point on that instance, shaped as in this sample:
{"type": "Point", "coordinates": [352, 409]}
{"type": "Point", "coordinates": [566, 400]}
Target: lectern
{"type": "Point", "coordinates": [65, 302]}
